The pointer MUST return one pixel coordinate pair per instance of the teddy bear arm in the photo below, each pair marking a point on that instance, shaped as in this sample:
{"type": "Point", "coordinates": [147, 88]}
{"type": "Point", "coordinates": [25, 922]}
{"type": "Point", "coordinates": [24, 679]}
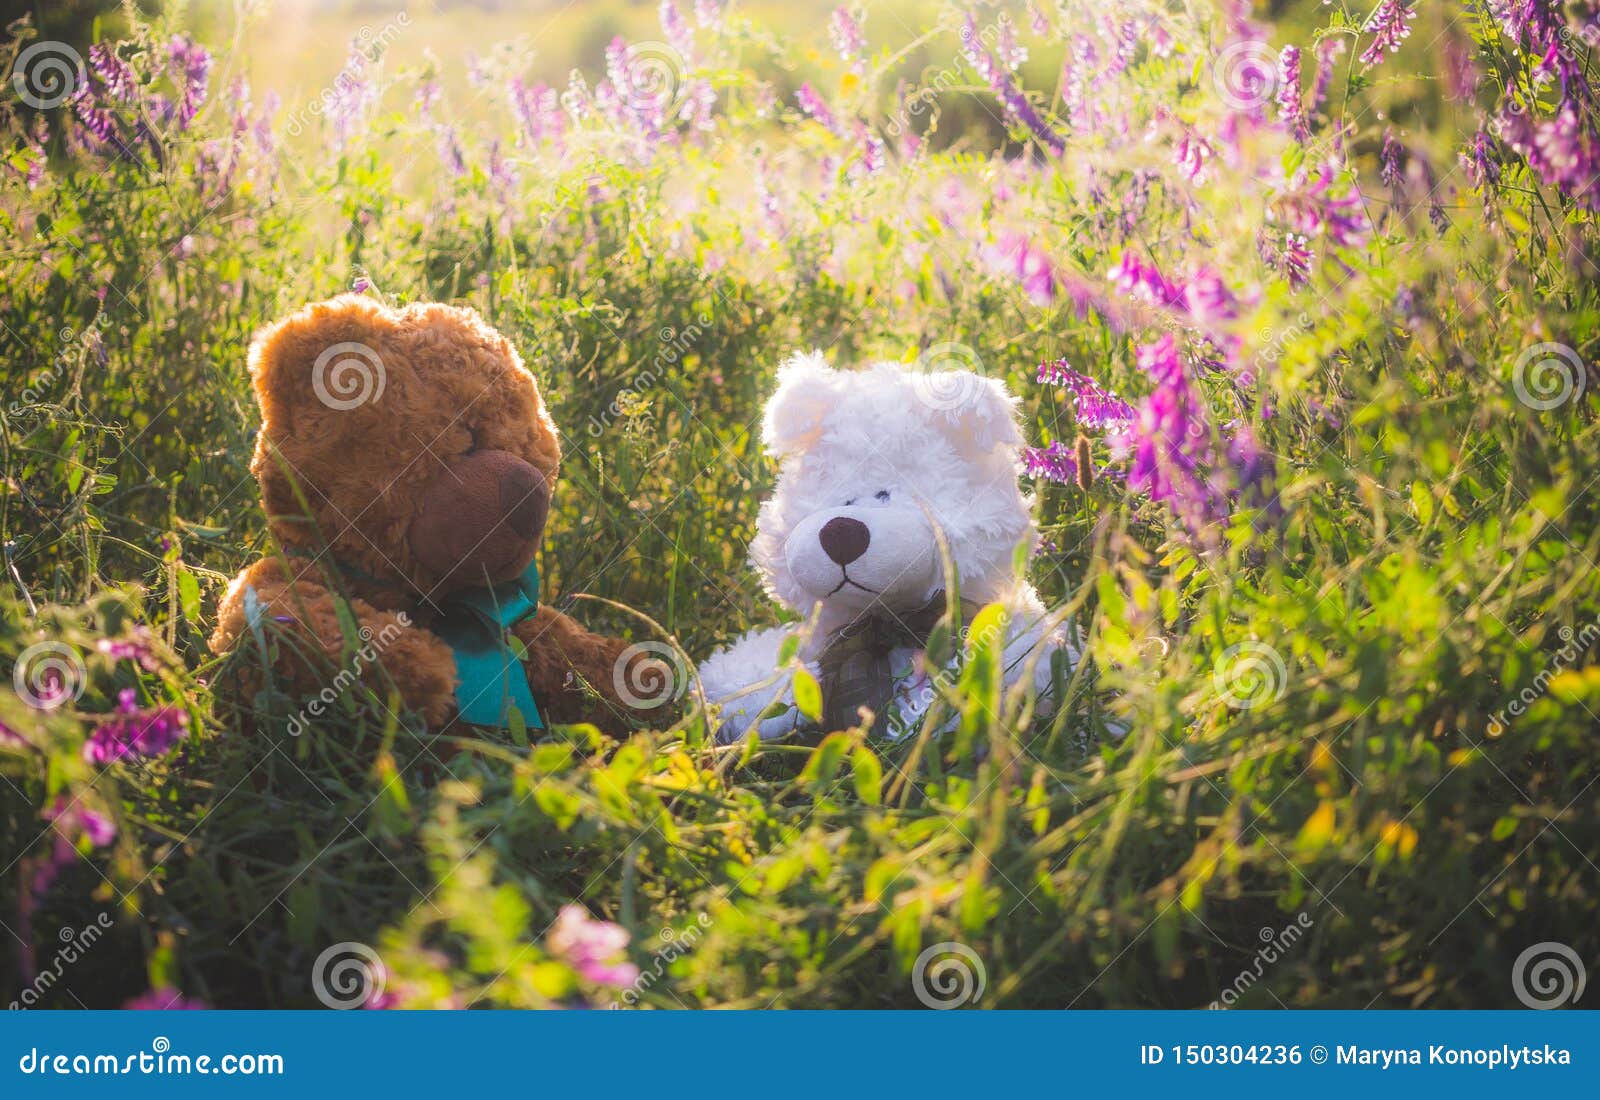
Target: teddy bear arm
{"type": "Point", "coordinates": [419, 664]}
{"type": "Point", "coordinates": [558, 652]}
{"type": "Point", "coordinates": [736, 680]}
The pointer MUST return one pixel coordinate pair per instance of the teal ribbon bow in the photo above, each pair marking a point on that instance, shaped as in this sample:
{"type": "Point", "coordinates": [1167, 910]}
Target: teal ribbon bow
{"type": "Point", "coordinates": [490, 678]}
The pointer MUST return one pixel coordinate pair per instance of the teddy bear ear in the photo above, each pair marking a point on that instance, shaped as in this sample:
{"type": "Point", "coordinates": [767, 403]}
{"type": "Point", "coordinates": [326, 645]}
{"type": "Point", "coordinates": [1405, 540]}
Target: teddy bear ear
{"type": "Point", "coordinates": [977, 415]}
{"type": "Point", "coordinates": [807, 389]}
{"type": "Point", "coordinates": [330, 350]}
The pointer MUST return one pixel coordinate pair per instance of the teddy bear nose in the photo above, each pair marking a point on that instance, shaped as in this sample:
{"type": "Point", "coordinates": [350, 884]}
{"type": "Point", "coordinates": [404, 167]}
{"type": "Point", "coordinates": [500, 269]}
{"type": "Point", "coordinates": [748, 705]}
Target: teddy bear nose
{"type": "Point", "coordinates": [844, 539]}
{"type": "Point", "coordinates": [524, 499]}
{"type": "Point", "coordinates": [482, 516]}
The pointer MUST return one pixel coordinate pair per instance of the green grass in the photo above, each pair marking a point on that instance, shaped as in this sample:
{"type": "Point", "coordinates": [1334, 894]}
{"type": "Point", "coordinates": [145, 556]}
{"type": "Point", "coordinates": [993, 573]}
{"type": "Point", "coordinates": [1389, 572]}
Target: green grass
{"type": "Point", "coordinates": [1429, 552]}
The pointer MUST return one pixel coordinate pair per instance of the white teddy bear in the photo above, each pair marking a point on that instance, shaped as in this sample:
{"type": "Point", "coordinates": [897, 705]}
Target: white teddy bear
{"type": "Point", "coordinates": [872, 463]}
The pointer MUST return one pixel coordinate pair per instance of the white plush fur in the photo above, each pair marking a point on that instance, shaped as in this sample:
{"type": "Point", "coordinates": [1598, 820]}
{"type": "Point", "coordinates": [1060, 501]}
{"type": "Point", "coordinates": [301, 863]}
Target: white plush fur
{"type": "Point", "coordinates": [903, 453]}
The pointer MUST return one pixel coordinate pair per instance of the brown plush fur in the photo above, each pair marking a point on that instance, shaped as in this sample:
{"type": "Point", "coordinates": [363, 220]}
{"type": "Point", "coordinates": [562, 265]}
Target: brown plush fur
{"type": "Point", "coordinates": [457, 418]}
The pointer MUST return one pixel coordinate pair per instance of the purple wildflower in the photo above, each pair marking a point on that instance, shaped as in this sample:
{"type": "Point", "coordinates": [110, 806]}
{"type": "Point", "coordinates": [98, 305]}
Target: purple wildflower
{"type": "Point", "coordinates": [1124, 35]}
{"type": "Point", "coordinates": [448, 141]}
{"type": "Point", "coordinates": [708, 13]}
{"type": "Point", "coordinates": [72, 824]}
{"type": "Point", "coordinates": [1480, 161]}
{"type": "Point", "coordinates": [351, 97]}
{"type": "Point", "coordinates": [1170, 441]}
{"type": "Point", "coordinates": [1251, 471]}
{"type": "Point", "coordinates": [872, 151]}
{"type": "Point", "coordinates": [634, 94]}
{"type": "Point", "coordinates": [699, 100]}
{"type": "Point", "coordinates": [1313, 207]}
{"type": "Point", "coordinates": [845, 31]}
{"type": "Point", "coordinates": [1037, 20]}
{"type": "Point", "coordinates": [100, 123]}
{"type": "Point", "coordinates": [12, 739]}
{"type": "Point", "coordinates": [680, 36]}
{"type": "Point", "coordinates": [1097, 408]}
{"type": "Point", "coordinates": [1208, 298]}
{"type": "Point", "coordinates": [1012, 54]}
{"type": "Point", "coordinates": [1139, 279]}
{"type": "Point", "coordinates": [1329, 50]}
{"type": "Point", "coordinates": [163, 999]}
{"type": "Point", "coordinates": [538, 111]}
{"type": "Point", "coordinates": [1389, 161]}
{"type": "Point", "coordinates": [1461, 74]}
{"type": "Point", "coordinates": [1161, 41]}
{"type": "Point", "coordinates": [1077, 76]}
{"type": "Point", "coordinates": [812, 103]}
{"type": "Point", "coordinates": [1055, 462]}
{"type": "Point", "coordinates": [590, 946]}
{"type": "Point", "coordinates": [1012, 99]}
{"type": "Point", "coordinates": [1191, 155]}
{"type": "Point", "coordinates": [191, 67]}
{"type": "Point", "coordinates": [115, 75]}
{"type": "Point", "coordinates": [1290, 257]}
{"type": "Point", "coordinates": [74, 821]}
{"type": "Point", "coordinates": [1016, 256]}
{"type": "Point", "coordinates": [136, 733]}
{"type": "Point", "coordinates": [1531, 22]}
{"type": "Point", "coordinates": [1290, 108]}
{"type": "Point", "coordinates": [1390, 25]}
{"type": "Point", "coordinates": [135, 647]}
{"type": "Point", "coordinates": [1563, 151]}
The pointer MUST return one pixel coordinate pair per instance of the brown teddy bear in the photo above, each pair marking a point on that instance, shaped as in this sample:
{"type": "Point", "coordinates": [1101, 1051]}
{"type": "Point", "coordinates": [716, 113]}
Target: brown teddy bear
{"type": "Point", "coordinates": [406, 461]}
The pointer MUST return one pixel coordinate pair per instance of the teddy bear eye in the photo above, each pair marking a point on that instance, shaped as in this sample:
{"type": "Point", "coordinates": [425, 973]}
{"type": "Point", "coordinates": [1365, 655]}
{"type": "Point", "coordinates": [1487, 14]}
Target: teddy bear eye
{"type": "Point", "coordinates": [881, 494]}
{"type": "Point", "coordinates": [850, 503]}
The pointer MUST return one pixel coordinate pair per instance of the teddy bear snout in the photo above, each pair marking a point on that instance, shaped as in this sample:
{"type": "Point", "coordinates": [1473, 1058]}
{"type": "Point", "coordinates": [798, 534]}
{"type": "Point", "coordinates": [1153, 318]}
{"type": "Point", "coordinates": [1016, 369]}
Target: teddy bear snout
{"type": "Point", "coordinates": [481, 519]}
{"type": "Point", "coordinates": [526, 500]}
{"type": "Point", "coordinates": [844, 539]}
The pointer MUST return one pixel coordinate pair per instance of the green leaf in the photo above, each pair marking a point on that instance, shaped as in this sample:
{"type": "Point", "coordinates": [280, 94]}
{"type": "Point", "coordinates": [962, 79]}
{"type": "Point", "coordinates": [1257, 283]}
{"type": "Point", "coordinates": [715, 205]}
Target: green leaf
{"type": "Point", "coordinates": [868, 775]}
{"type": "Point", "coordinates": [1422, 501]}
{"type": "Point", "coordinates": [807, 694]}
{"type": "Point", "coordinates": [189, 595]}
{"type": "Point", "coordinates": [825, 760]}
